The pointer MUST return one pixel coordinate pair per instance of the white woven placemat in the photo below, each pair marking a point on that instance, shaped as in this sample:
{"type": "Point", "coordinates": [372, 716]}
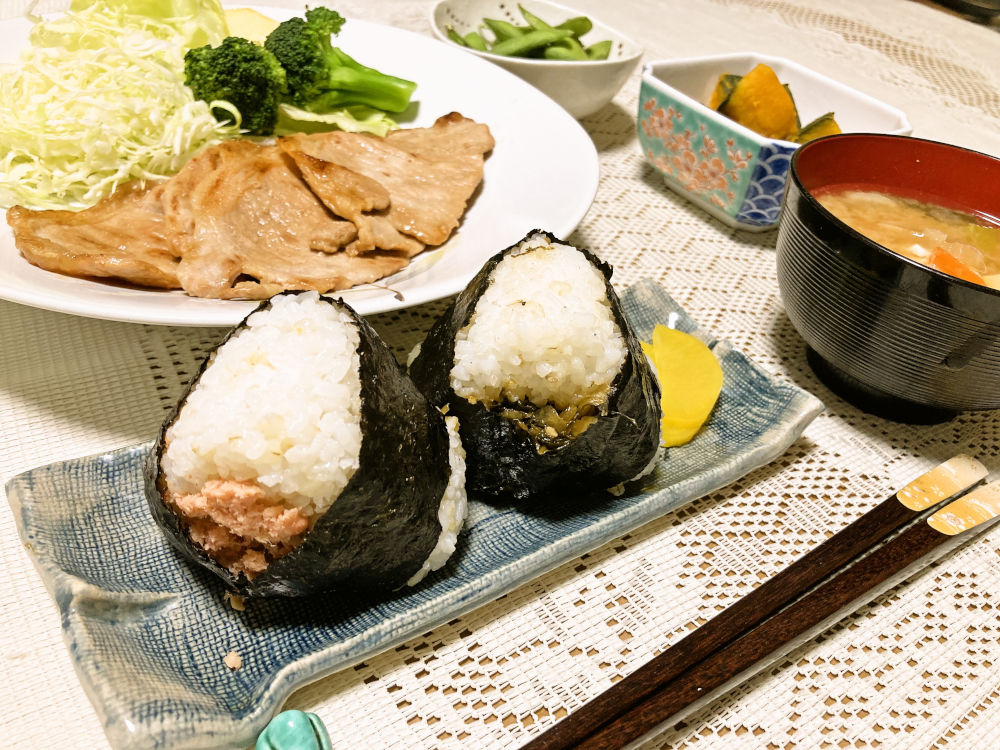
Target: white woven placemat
{"type": "Point", "coordinates": [917, 669]}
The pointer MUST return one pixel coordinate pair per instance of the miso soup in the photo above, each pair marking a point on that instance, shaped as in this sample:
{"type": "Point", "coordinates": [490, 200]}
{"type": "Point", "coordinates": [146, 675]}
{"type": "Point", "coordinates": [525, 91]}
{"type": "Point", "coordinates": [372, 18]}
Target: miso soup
{"type": "Point", "coordinates": [956, 243]}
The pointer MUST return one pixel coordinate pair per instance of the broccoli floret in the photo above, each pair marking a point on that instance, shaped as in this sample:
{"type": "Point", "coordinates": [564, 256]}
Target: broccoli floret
{"type": "Point", "coordinates": [322, 77]}
{"type": "Point", "coordinates": [243, 74]}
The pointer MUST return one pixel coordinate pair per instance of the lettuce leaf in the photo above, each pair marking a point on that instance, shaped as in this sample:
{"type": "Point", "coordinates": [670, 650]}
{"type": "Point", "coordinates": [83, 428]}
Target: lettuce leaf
{"type": "Point", "coordinates": [354, 119]}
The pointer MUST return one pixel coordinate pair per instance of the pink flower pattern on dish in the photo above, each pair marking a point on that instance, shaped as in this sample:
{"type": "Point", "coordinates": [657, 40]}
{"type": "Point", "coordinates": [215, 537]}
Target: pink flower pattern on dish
{"type": "Point", "coordinates": [695, 159]}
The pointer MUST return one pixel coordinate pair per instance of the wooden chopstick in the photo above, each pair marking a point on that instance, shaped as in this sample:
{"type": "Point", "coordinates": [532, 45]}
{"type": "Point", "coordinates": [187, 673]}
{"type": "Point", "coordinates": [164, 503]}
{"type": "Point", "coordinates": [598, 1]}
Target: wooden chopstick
{"type": "Point", "coordinates": [857, 584]}
{"type": "Point", "coordinates": [933, 487]}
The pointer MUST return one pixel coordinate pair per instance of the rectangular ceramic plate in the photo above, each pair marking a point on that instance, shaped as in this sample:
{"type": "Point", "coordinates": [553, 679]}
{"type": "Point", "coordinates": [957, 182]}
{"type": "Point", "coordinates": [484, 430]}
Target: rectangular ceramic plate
{"type": "Point", "coordinates": [148, 632]}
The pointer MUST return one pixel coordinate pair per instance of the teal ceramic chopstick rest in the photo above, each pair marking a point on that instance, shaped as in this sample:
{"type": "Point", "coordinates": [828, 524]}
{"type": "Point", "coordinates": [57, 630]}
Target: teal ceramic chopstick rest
{"type": "Point", "coordinates": [294, 730]}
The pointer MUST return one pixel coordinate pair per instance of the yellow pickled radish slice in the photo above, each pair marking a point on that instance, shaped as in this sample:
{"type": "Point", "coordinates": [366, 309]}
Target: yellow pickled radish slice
{"type": "Point", "coordinates": [690, 382]}
{"type": "Point", "coordinates": [249, 24]}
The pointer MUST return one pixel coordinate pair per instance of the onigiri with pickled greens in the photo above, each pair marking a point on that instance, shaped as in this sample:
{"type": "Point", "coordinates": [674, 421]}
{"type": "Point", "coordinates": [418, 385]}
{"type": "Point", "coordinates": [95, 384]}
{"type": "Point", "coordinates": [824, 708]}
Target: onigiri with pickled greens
{"type": "Point", "coordinates": [545, 374]}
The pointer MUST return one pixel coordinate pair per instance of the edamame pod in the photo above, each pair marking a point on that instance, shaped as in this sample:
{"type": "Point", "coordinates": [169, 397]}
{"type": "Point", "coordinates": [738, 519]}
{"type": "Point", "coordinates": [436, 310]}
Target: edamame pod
{"type": "Point", "coordinates": [534, 21]}
{"type": "Point", "coordinates": [503, 30]}
{"type": "Point", "coordinates": [529, 42]}
{"type": "Point", "coordinates": [538, 39]}
{"type": "Point", "coordinates": [599, 50]}
{"type": "Point", "coordinates": [553, 52]}
{"type": "Point", "coordinates": [577, 26]}
{"type": "Point", "coordinates": [568, 49]}
{"type": "Point", "coordinates": [475, 40]}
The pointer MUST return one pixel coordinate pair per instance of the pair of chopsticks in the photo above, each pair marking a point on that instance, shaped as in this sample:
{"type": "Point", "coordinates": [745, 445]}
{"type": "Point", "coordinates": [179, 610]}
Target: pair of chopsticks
{"type": "Point", "coordinates": [878, 551]}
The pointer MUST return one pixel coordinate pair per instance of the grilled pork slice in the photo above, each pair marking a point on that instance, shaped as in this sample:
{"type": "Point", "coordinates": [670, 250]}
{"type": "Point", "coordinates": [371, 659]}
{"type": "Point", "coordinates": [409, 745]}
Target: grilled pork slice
{"type": "Point", "coordinates": [429, 173]}
{"type": "Point", "coordinates": [359, 199]}
{"type": "Point", "coordinates": [452, 138]}
{"type": "Point", "coordinates": [124, 237]}
{"type": "Point", "coordinates": [248, 220]}
{"type": "Point", "coordinates": [247, 226]}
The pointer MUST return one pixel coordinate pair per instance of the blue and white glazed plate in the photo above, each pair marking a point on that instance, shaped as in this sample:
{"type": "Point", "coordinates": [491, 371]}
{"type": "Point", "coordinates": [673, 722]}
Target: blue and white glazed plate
{"type": "Point", "coordinates": [148, 631]}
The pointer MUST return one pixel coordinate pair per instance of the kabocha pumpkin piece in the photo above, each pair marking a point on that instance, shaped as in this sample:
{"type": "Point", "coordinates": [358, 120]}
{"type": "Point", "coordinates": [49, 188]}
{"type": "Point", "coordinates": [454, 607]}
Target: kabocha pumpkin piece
{"type": "Point", "coordinates": [798, 122]}
{"type": "Point", "coordinates": [545, 374]}
{"type": "Point", "coordinates": [760, 102]}
{"type": "Point", "coordinates": [302, 458]}
{"type": "Point", "coordinates": [821, 126]}
{"type": "Point", "coordinates": [760, 106]}
{"type": "Point", "coordinates": [723, 88]}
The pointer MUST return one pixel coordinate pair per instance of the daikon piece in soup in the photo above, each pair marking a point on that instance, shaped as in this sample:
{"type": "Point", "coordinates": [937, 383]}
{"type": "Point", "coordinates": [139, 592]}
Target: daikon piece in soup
{"type": "Point", "coordinates": [953, 242]}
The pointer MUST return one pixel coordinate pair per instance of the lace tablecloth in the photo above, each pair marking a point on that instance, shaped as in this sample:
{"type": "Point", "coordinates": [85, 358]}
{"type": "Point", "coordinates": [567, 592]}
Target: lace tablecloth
{"type": "Point", "coordinates": [919, 668]}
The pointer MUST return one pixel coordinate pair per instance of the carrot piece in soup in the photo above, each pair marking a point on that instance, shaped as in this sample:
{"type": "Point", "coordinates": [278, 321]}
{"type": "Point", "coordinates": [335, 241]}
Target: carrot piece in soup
{"type": "Point", "coordinates": [945, 262]}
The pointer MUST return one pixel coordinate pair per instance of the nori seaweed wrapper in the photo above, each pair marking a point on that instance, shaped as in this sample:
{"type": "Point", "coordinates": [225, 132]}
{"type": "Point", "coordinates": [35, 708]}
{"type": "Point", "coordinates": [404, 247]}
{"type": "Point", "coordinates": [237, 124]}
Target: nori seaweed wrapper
{"type": "Point", "coordinates": [502, 460]}
{"type": "Point", "coordinates": [382, 527]}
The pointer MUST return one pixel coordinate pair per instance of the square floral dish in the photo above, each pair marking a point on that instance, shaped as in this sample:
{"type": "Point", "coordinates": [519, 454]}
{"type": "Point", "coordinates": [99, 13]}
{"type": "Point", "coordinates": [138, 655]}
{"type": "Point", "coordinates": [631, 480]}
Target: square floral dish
{"type": "Point", "coordinates": [148, 632]}
{"type": "Point", "coordinates": [725, 168]}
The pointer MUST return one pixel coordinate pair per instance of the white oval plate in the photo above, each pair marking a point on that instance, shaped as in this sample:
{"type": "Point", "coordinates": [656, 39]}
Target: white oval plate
{"type": "Point", "coordinates": [542, 174]}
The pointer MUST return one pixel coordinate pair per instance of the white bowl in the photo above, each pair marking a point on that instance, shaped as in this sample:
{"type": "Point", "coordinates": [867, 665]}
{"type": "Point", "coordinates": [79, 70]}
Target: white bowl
{"type": "Point", "coordinates": [729, 170]}
{"type": "Point", "coordinates": [580, 87]}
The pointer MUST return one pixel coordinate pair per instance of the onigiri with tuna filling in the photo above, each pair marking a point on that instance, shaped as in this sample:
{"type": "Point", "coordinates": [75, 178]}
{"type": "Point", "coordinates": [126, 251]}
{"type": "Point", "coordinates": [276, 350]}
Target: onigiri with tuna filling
{"type": "Point", "coordinates": [303, 458]}
{"type": "Point", "coordinates": [545, 374]}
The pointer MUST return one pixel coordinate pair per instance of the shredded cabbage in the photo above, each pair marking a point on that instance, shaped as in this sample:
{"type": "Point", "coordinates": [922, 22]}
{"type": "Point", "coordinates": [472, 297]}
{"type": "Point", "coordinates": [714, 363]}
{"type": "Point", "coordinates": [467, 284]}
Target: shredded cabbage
{"type": "Point", "coordinates": [199, 22]}
{"type": "Point", "coordinates": [98, 99]}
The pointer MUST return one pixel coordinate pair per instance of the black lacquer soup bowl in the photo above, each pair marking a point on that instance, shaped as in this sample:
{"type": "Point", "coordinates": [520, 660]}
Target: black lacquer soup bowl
{"type": "Point", "coordinates": [894, 337]}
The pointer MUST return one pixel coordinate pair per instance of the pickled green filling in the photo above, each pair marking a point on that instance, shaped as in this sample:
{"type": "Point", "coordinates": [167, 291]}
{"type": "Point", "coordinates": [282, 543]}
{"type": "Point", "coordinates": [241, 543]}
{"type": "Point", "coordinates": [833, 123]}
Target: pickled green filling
{"type": "Point", "coordinates": [551, 428]}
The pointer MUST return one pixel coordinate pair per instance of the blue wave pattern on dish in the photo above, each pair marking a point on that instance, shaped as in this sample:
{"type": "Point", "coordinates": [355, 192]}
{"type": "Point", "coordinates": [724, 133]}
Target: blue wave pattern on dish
{"type": "Point", "coordinates": [762, 205]}
{"type": "Point", "coordinates": [148, 632]}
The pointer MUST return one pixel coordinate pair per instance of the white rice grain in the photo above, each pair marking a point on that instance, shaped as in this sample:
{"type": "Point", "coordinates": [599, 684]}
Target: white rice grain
{"type": "Point", "coordinates": [280, 405]}
{"type": "Point", "coordinates": [453, 508]}
{"type": "Point", "coordinates": [542, 332]}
